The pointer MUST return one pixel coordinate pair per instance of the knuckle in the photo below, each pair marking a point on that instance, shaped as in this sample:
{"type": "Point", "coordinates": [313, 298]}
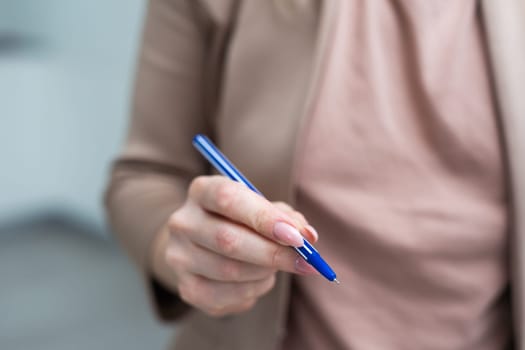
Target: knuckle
{"type": "Point", "coordinates": [175, 258]}
{"type": "Point", "coordinates": [261, 218]}
{"type": "Point", "coordinates": [226, 240]}
{"type": "Point", "coordinates": [275, 257]}
{"type": "Point", "coordinates": [186, 292]}
{"type": "Point", "coordinates": [299, 216]}
{"type": "Point", "coordinates": [290, 211]}
{"type": "Point", "coordinates": [197, 185]}
{"type": "Point", "coordinates": [225, 195]}
{"type": "Point", "coordinates": [283, 205]}
{"type": "Point", "coordinates": [271, 283]}
{"type": "Point", "coordinates": [177, 222]}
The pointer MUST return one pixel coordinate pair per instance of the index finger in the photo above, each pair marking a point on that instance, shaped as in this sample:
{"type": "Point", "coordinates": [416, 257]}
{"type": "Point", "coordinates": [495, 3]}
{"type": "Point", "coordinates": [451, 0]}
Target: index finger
{"type": "Point", "coordinates": [235, 201]}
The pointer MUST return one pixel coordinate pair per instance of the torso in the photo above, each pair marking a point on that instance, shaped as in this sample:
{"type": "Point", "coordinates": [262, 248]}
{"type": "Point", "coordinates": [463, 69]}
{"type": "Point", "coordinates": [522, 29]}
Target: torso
{"type": "Point", "coordinates": [402, 174]}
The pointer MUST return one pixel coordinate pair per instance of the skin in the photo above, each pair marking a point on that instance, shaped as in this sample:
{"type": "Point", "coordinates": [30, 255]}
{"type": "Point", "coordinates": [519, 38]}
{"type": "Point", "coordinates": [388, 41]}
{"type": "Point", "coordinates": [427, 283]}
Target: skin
{"type": "Point", "coordinates": [219, 250]}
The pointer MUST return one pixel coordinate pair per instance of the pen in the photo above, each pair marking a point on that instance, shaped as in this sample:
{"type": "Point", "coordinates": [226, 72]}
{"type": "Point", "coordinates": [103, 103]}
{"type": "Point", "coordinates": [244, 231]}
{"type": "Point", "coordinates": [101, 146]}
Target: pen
{"type": "Point", "coordinates": [206, 147]}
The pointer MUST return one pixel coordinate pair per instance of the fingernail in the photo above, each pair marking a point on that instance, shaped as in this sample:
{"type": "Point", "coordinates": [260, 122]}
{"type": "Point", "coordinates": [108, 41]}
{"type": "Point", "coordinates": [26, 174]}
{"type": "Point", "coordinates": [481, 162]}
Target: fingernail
{"type": "Point", "coordinates": [287, 234]}
{"type": "Point", "coordinates": [312, 231]}
{"type": "Point", "coordinates": [303, 267]}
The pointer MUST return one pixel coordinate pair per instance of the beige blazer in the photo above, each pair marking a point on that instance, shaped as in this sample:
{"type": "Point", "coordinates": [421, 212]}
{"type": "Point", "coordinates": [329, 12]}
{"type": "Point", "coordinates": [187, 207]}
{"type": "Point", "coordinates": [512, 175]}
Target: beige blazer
{"type": "Point", "coordinates": [247, 72]}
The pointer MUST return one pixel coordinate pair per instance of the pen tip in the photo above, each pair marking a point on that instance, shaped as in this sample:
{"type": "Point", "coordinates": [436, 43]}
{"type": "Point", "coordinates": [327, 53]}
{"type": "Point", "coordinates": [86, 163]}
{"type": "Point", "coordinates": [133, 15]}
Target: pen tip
{"type": "Point", "coordinates": [336, 281]}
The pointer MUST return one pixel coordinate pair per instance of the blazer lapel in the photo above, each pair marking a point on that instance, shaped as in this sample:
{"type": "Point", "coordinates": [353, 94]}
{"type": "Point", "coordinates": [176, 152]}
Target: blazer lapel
{"type": "Point", "coordinates": [505, 27]}
{"type": "Point", "coordinates": [327, 16]}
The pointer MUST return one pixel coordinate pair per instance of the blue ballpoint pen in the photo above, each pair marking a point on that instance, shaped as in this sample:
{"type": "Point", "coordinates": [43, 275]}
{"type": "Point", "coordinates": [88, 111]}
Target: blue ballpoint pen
{"type": "Point", "coordinates": [225, 167]}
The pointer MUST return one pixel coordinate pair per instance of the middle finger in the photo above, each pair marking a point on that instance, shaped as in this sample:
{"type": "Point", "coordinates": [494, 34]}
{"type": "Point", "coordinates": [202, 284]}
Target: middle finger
{"type": "Point", "coordinates": [241, 243]}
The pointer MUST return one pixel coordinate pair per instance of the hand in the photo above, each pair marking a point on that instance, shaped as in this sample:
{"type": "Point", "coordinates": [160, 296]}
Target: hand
{"type": "Point", "coordinates": [222, 248]}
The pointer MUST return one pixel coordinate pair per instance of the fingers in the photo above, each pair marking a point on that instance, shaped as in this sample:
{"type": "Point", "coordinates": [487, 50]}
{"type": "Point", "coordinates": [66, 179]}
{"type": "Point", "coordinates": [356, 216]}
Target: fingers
{"type": "Point", "coordinates": [216, 267]}
{"type": "Point", "coordinates": [222, 298]}
{"type": "Point", "coordinates": [308, 231]}
{"type": "Point", "coordinates": [226, 243]}
{"type": "Point", "coordinates": [233, 200]}
{"type": "Point", "coordinates": [234, 241]}
{"type": "Point", "coordinates": [285, 207]}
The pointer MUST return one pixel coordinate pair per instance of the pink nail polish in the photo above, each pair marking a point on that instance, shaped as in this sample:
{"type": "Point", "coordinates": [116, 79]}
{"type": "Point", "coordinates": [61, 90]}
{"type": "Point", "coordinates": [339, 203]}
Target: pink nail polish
{"type": "Point", "coordinates": [287, 234]}
{"type": "Point", "coordinates": [303, 267]}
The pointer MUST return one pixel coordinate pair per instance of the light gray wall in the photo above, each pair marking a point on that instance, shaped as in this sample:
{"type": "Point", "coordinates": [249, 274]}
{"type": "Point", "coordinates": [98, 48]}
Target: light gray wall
{"type": "Point", "coordinates": [64, 101]}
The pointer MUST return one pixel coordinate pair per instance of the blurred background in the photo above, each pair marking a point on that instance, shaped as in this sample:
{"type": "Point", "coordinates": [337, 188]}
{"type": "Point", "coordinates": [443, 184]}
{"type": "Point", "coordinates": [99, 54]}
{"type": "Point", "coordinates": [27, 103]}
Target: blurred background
{"type": "Point", "coordinates": [66, 71]}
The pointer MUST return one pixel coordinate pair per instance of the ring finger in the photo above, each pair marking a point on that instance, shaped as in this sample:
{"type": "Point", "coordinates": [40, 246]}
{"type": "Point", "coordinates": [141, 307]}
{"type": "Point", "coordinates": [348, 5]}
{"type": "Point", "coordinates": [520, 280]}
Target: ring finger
{"type": "Point", "coordinates": [220, 268]}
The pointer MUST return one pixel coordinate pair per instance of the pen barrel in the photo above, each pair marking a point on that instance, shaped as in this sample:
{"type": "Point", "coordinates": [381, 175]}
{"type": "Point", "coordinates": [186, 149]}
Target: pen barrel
{"type": "Point", "coordinates": [204, 145]}
{"type": "Point", "coordinates": [312, 257]}
{"type": "Point", "coordinates": [225, 167]}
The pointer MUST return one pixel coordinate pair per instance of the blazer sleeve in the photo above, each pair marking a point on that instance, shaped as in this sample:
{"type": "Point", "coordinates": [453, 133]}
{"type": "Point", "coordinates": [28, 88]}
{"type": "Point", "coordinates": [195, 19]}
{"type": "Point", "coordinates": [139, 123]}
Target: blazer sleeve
{"type": "Point", "coordinates": [150, 176]}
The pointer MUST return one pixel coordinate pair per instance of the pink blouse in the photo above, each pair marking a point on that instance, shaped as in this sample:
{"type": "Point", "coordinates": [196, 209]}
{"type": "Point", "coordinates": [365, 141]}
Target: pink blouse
{"type": "Point", "coordinates": [402, 174]}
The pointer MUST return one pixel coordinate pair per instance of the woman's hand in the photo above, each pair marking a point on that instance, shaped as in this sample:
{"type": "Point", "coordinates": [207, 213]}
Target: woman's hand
{"type": "Point", "coordinates": [222, 248]}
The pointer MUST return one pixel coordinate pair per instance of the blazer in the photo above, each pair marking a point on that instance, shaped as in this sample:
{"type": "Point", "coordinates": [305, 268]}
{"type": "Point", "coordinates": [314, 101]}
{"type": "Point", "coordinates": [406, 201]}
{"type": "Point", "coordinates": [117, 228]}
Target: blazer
{"type": "Point", "coordinates": [247, 72]}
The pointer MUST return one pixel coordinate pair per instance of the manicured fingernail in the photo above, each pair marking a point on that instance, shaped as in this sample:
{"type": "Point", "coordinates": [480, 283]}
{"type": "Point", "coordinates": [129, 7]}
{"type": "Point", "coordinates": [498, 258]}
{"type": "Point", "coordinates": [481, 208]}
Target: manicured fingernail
{"type": "Point", "coordinates": [303, 267]}
{"type": "Point", "coordinates": [312, 231]}
{"type": "Point", "coordinates": [287, 234]}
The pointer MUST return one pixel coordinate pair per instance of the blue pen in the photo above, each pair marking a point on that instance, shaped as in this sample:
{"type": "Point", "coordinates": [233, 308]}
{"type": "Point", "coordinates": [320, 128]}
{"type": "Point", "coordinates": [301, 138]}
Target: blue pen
{"type": "Point", "coordinates": [225, 167]}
